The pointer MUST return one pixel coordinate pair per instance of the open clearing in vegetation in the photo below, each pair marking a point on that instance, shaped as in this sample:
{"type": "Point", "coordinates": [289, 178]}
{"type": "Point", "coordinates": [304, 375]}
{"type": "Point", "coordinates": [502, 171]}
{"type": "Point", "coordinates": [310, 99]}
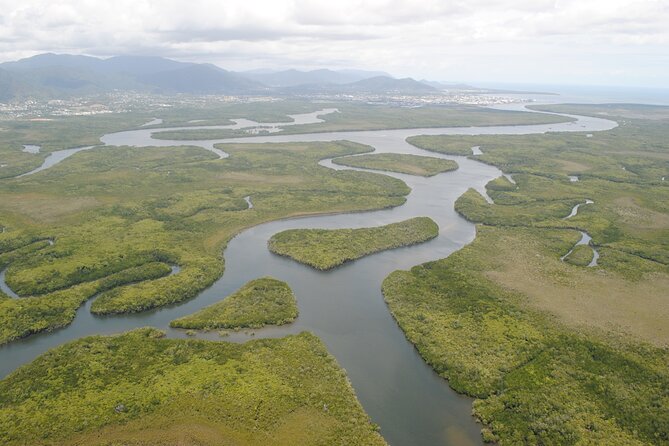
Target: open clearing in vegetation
{"type": "Point", "coordinates": [139, 389]}
{"type": "Point", "coordinates": [264, 301]}
{"type": "Point", "coordinates": [396, 162]}
{"type": "Point", "coordinates": [328, 248]}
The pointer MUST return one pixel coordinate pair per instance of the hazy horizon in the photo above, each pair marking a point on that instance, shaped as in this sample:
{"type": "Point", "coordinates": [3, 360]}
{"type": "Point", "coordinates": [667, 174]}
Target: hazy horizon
{"type": "Point", "coordinates": [605, 43]}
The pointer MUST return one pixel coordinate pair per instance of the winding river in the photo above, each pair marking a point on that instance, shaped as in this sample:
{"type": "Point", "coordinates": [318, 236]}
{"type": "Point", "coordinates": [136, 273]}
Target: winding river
{"type": "Point", "coordinates": [344, 307]}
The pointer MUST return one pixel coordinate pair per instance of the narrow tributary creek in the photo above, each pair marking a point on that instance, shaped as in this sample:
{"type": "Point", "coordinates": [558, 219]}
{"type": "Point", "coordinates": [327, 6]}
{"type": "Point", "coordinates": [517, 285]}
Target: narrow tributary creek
{"type": "Point", "coordinates": [585, 237]}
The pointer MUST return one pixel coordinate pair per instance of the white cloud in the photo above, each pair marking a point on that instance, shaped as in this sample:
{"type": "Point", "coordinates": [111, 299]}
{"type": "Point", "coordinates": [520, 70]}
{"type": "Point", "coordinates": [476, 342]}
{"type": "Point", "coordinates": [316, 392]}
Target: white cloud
{"type": "Point", "coordinates": [544, 40]}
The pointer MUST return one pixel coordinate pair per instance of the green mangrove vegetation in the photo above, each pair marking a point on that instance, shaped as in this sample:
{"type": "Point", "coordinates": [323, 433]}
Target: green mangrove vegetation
{"type": "Point", "coordinates": [425, 166]}
{"type": "Point", "coordinates": [264, 301]}
{"type": "Point", "coordinates": [109, 211]}
{"type": "Point", "coordinates": [25, 316]}
{"type": "Point", "coordinates": [554, 352]}
{"type": "Point", "coordinates": [139, 388]}
{"type": "Point", "coordinates": [478, 317]}
{"type": "Point", "coordinates": [328, 248]}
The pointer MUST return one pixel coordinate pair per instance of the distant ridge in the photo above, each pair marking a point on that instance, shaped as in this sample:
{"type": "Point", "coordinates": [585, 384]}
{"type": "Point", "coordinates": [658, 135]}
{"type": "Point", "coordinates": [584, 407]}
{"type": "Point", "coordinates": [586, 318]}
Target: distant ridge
{"type": "Point", "coordinates": [386, 84]}
{"type": "Point", "coordinates": [200, 79]}
{"type": "Point", "coordinates": [294, 78]}
{"type": "Point", "coordinates": [56, 75]}
{"type": "Point", "coordinates": [372, 85]}
{"type": "Point", "coordinates": [52, 75]}
{"type": "Point", "coordinates": [142, 65]}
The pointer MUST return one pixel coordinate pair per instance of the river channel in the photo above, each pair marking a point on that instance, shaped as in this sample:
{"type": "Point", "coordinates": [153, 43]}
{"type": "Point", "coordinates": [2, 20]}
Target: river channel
{"type": "Point", "coordinates": [344, 306]}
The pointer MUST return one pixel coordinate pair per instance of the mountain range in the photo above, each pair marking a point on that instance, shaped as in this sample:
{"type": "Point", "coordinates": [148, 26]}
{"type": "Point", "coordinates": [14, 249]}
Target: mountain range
{"type": "Point", "coordinates": [62, 75]}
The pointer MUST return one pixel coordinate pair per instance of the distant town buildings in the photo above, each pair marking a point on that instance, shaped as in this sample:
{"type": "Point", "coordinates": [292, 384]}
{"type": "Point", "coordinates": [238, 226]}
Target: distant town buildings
{"type": "Point", "coordinates": [126, 102]}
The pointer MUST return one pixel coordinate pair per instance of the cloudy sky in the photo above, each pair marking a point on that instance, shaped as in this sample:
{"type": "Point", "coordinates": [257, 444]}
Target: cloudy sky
{"type": "Point", "coordinates": [604, 42]}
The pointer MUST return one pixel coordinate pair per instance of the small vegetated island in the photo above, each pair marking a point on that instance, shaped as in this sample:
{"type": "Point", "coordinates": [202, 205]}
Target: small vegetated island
{"type": "Point", "coordinates": [264, 301]}
{"type": "Point", "coordinates": [140, 388]}
{"type": "Point", "coordinates": [328, 248]}
{"type": "Point", "coordinates": [425, 166]}
{"type": "Point", "coordinates": [581, 255]}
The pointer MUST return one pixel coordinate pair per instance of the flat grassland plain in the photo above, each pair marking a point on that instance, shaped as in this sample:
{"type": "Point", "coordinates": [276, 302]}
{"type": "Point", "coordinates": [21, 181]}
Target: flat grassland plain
{"type": "Point", "coordinates": [328, 248]}
{"type": "Point", "coordinates": [115, 223]}
{"type": "Point", "coordinates": [556, 352]}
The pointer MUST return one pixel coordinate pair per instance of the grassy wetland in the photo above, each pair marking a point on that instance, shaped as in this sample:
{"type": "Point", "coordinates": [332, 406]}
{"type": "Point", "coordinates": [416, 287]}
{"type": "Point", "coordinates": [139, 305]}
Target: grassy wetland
{"type": "Point", "coordinates": [555, 352]}
{"type": "Point", "coordinates": [397, 162]}
{"type": "Point", "coordinates": [328, 248]}
{"type": "Point", "coordinates": [139, 388]}
{"type": "Point", "coordinates": [264, 301]}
